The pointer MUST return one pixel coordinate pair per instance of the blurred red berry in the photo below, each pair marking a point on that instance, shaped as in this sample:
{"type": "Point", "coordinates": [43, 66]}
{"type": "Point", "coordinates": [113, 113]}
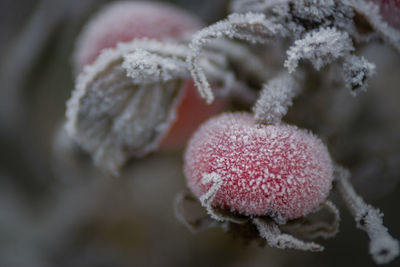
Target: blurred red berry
{"type": "Point", "coordinates": [263, 169]}
{"type": "Point", "coordinates": [125, 21]}
{"type": "Point", "coordinates": [390, 10]}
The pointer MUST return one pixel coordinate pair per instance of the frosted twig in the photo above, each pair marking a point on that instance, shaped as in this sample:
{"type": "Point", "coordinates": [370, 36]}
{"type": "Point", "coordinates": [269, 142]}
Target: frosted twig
{"type": "Point", "coordinates": [250, 27]}
{"type": "Point", "coordinates": [371, 11]}
{"type": "Point", "coordinates": [271, 233]}
{"type": "Point", "coordinates": [275, 98]}
{"type": "Point", "coordinates": [320, 47]}
{"type": "Point", "coordinates": [383, 247]}
{"type": "Point", "coordinates": [356, 73]}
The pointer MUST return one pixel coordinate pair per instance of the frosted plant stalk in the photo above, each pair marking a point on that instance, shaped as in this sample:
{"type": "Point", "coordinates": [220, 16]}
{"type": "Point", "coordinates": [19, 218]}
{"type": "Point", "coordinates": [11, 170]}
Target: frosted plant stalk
{"type": "Point", "coordinates": [383, 247]}
{"type": "Point", "coordinates": [250, 27]}
{"type": "Point", "coordinates": [275, 99]}
{"type": "Point", "coordinates": [271, 233]}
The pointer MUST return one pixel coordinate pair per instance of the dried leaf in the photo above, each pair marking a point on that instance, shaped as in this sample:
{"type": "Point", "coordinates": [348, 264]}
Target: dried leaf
{"type": "Point", "coordinates": [113, 114]}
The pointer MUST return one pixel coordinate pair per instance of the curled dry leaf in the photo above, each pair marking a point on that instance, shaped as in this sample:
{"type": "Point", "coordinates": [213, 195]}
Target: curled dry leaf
{"type": "Point", "coordinates": [126, 101]}
{"type": "Point", "coordinates": [113, 114]}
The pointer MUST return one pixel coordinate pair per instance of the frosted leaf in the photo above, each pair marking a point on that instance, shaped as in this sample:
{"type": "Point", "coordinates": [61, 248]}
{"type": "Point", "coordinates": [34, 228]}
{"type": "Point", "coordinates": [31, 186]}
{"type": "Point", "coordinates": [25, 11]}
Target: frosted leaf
{"type": "Point", "coordinates": [371, 11]}
{"type": "Point", "coordinates": [114, 116]}
{"type": "Point", "coordinates": [383, 247]}
{"type": "Point", "coordinates": [320, 47]}
{"type": "Point", "coordinates": [145, 67]}
{"type": "Point", "coordinates": [356, 73]}
{"type": "Point", "coordinates": [271, 233]}
{"type": "Point", "coordinates": [275, 98]}
{"type": "Point", "coordinates": [250, 27]}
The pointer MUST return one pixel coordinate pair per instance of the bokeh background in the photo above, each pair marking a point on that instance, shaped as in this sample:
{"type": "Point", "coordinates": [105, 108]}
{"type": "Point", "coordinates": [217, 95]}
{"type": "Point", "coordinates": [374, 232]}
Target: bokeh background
{"type": "Point", "coordinates": [56, 209]}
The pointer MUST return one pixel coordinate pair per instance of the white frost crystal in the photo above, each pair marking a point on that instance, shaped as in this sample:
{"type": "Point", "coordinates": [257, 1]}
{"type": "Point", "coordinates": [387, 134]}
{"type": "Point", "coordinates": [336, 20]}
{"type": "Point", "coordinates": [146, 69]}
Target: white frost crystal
{"type": "Point", "coordinates": [275, 98]}
{"type": "Point", "coordinates": [383, 247]}
{"type": "Point", "coordinates": [145, 67]}
{"type": "Point", "coordinates": [321, 48]}
{"type": "Point", "coordinates": [356, 73]}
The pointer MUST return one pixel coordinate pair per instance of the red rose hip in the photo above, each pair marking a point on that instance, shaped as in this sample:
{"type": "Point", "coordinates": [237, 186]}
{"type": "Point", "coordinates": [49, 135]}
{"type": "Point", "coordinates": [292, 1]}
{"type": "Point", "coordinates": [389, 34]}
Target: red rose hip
{"type": "Point", "coordinates": [276, 170]}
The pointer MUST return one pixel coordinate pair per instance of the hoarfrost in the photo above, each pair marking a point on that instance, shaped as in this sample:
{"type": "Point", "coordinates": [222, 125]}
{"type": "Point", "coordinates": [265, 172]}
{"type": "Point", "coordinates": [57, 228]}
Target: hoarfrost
{"type": "Point", "coordinates": [114, 116]}
{"type": "Point", "coordinates": [145, 67]}
{"type": "Point", "coordinates": [320, 47]}
{"type": "Point", "coordinates": [275, 98]}
{"type": "Point", "coordinates": [356, 73]}
{"type": "Point", "coordinates": [383, 247]}
{"type": "Point", "coordinates": [271, 233]}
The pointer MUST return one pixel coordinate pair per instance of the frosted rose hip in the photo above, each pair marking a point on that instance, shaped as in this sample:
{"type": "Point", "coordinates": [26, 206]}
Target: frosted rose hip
{"type": "Point", "coordinates": [123, 21]}
{"type": "Point", "coordinates": [264, 170]}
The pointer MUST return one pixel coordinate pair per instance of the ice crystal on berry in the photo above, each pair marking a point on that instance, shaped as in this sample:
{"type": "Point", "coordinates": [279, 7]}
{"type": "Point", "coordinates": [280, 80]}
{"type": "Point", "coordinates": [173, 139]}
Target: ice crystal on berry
{"type": "Point", "coordinates": [262, 170]}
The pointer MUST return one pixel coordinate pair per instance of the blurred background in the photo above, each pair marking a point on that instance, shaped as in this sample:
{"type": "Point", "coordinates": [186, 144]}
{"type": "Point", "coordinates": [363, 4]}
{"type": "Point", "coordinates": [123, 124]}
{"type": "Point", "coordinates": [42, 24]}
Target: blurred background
{"type": "Point", "coordinates": [56, 209]}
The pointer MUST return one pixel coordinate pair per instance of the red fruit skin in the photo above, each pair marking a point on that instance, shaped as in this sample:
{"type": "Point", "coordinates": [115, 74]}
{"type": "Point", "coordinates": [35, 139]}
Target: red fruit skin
{"type": "Point", "coordinates": [124, 21]}
{"type": "Point", "coordinates": [390, 11]}
{"type": "Point", "coordinates": [192, 111]}
{"type": "Point", "coordinates": [277, 170]}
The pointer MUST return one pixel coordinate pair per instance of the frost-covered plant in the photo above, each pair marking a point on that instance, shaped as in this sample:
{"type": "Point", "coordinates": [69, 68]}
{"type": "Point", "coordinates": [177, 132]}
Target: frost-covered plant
{"type": "Point", "coordinates": [125, 101]}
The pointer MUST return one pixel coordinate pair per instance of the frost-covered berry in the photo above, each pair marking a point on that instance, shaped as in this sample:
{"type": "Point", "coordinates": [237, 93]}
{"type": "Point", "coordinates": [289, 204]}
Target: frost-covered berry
{"type": "Point", "coordinates": [123, 21]}
{"type": "Point", "coordinates": [257, 170]}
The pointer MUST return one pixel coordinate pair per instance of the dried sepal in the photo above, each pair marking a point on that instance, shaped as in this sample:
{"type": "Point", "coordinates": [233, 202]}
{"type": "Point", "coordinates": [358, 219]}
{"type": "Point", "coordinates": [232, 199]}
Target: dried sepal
{"type": "Point", "coordinates": [270, 231]}
{"type": "Point", "coordinates": [145, 67]}
{"type": "Point", "coordinates": [311, 228]}
{"type": "Point", "coordinates": [383, 247]}
{"type": "Point", "coordinates": [256, 228]}
{"type": "Point", "coordinates": [320, 47]}
{"type": "Point", "coordinates": [113, 115]}
{"type": "Point", "coordinates": [206, 200]}
{"type": "Point", "coordinates": [193, 224]}
{"type": "Point", "coordinates": [356, 73]}
{"type": "Point", "coordinates": [250, 27]}
{"type": "Point", "coordinates": [275, 99]}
